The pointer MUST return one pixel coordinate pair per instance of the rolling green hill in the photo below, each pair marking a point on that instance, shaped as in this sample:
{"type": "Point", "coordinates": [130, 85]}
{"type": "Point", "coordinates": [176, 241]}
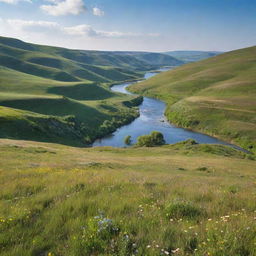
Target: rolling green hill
{"type": "Point", "coordinates": [61, 95]}
{"type": "Point", "coordinates": [216, 96]}
{"type": "Point", "coordinates": [81, 63]}
{"type": "Point", "coordinates": [191, 56]}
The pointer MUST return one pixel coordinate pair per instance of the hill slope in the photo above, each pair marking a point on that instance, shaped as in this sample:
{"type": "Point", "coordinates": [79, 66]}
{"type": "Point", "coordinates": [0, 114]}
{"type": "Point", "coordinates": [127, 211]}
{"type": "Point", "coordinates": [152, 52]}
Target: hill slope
{"type": "Point", "coordinates": [141, 201]}
{"type": "Point", "coordinates": [216, 96]}
{"type": "Point", "coordinates": [61, 95]}
{"type": "Point", "coordinates": [191, 56]}
{"type": "Point", "coordinates": [81, 63]}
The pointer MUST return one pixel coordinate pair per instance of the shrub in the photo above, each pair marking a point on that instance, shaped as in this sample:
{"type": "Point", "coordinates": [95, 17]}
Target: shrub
{"type": "Point", "coordinates": [181, 210]}
{"type": "Point", "coordinates": [127, 140]}
{"type": "Point", "coordinates": [154, 139]}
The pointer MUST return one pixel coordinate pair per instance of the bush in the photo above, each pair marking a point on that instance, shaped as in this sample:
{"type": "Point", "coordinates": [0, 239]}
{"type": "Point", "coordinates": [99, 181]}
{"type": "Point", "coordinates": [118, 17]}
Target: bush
{"type": "Point", "coordinates": [181, 210]}
{"type": "Point", "coordinates": [127, 140]}
{"type": "Point", "coordinates": [154, 139]}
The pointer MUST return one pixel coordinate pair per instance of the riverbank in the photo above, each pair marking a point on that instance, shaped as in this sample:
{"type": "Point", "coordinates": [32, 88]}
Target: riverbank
{"type": "Point", "coordinates": [214, 96]}
{"type": "Point", "coordinates": [152, 118]}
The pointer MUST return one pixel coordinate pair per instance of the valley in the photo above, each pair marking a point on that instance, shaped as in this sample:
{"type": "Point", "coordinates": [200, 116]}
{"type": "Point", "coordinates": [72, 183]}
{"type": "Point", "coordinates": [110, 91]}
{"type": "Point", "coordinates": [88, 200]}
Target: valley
{"type": "Point", "coordinates": [71, 185]}
{"type": "Point", "coordinates": [214, 96]}
{"type": "Point", "coordinates": [59, 95]}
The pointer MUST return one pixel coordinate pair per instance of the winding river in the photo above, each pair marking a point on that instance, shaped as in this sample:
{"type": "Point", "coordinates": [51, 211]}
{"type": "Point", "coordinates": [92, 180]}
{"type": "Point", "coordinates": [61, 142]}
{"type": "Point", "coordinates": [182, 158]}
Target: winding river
{"type": "Point", "coordinates": [152, 119]}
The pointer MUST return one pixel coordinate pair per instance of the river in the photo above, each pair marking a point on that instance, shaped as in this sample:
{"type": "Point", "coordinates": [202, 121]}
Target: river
{"type": "Point", "coordinates": [152, 119]}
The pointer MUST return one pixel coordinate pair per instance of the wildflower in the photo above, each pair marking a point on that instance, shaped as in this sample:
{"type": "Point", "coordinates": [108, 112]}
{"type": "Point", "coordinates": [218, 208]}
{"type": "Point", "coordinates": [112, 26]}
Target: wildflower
{"type": "Point", "coordinates": [176, 250]}
{"type": "Point", "coordinates": [209, 219]}
{"type": "Point", "coordinates": [166, 253]}
{"type": "Point", "coordinates": [148, 246]}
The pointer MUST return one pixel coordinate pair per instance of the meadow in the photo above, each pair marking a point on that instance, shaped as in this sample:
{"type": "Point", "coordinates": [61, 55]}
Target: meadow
{"type": "Point", "coordinates": [181, 199]}
{"type": "Point", "coordinates": [215, 96]}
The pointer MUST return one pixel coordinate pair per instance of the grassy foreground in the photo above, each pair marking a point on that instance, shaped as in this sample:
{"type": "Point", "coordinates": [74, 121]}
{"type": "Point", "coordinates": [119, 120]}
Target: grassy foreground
{"type": "Point", "coordinates": [181, 199]}
{"type": "Point", "coordinates": [215, 96]}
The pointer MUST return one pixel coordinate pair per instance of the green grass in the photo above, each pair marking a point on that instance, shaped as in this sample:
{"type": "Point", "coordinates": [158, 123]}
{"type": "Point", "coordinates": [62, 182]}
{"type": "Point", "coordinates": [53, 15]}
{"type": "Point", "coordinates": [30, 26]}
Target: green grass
{"type": "Point", "coordinates": [61, 119]}
{"type": "Point", "coordinates": [215, 96]}
{"type": "Point", "coordinates": [43, 85]}
{"type": "Point", "coordinates": [65, 64]}
{"type": "Point", "coordinates": [184, 199]}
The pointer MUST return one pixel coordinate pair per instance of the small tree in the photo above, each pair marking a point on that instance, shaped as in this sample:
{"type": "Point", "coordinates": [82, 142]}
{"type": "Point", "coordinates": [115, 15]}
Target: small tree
{"type": "Point", "coordinates": [157, 138]}
{"type": "Point", "coordinates": [154, 139]}
{"type": "Point", "coordinates": [127, 140]}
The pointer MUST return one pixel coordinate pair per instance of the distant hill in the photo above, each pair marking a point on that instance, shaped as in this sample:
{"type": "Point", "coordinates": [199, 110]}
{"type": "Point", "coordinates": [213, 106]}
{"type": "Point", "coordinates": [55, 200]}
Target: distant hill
{"type": "Point", "coordinates": [192, 56]}
{"type": "Point", "coordinates": [73, 65]}
{"type": "Point", "coordinates": [61, 95]}
{"type": "Point", "coordinates": [216, 96]}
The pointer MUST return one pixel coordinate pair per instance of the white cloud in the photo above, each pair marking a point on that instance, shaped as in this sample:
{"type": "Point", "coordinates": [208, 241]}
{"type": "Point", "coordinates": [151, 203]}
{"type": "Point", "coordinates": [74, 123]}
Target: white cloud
{"type": "Point", "coordinates": [97, 11]}
{"type": "Point", "coordinates": [80, 30]}
{"type": "Point", "coordinates": [65, 7]}
{"type": "Point", "coordinates": [80, 36]}
{"type": "Point", "coordinates": [87, 30]}
{"type": "Point", "coordinates": [83, 30]}
{"type": "Point", "coordinates": [34, 26]}
{"type": "Point", "coordinates": [14, 1]}
{"type": "Point", "coordinates": [31, 23]}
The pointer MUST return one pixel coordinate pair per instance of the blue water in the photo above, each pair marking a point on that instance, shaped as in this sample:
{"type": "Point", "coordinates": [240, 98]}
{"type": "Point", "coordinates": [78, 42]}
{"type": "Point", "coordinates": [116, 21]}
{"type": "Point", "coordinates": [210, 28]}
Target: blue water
{"type": "Point", "coordinates": [152, 119]}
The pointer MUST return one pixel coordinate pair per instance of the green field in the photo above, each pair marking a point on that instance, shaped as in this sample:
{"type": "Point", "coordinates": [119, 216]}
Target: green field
{"type": "Point", "coordinates": [60, 95]}
{"type": "Point", "coordinates": [181, 199]}
{"type": "Point", "coordinates": [215, 96]}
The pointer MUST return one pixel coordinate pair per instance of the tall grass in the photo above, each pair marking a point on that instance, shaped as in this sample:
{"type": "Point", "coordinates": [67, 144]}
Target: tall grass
{"type": "Point", "coordinates": [57, 200]}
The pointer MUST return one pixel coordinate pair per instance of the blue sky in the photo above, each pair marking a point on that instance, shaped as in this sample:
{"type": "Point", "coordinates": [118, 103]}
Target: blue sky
{"type": "Point", "coordinates": [143, 25]}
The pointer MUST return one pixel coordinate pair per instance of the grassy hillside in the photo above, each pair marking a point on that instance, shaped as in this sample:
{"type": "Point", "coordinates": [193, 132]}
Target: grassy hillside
{"type": "Point", "coordinates": [215, 96]}
{"type": "Point", "coordinates": [61, 95]}
{"type": "Point", "coordinates": [79, 108]}
{"type": "Point", "coordinates": [71, 61]}
{"type": "Point", "coordinates": [191, 56]}
{"type": "Point", "coordinates": [179, 199]}
{"type": "Point", "coordinates": [45, 64]}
